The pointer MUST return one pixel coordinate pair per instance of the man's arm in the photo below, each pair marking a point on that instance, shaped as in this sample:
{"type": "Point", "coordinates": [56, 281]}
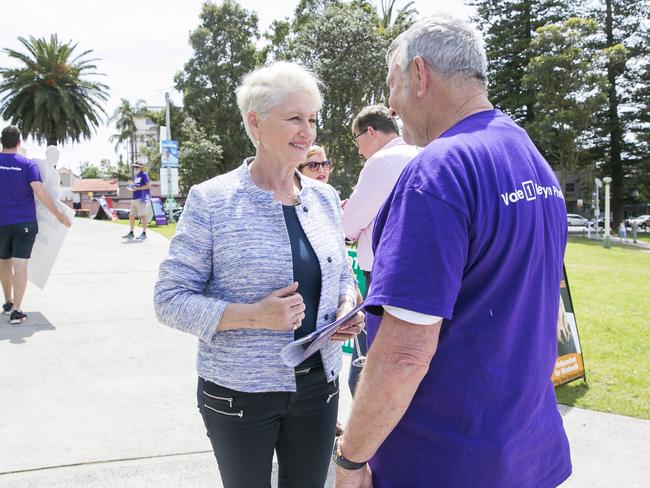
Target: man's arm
{"type": "Point", "coordinates": [45, 198]}
{"type": "Point", "coordinates": [397, 362]}
{"type": "Point", "coordinates": [374, 185]}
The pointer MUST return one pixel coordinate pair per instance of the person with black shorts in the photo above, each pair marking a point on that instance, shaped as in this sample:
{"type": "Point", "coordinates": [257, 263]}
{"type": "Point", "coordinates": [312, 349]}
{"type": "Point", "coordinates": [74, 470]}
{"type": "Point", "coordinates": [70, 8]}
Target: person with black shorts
{"type": "Point", "coordinates": [20, 181]}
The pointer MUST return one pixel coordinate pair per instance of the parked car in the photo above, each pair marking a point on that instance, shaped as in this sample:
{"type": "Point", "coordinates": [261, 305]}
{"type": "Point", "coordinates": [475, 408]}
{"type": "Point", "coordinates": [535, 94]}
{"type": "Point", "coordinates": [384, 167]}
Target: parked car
{"type": "Point", "coordinates": [601, 223]}
{"type": "Point", "coordinates": [122, 213]}
{"type": "Point", "coordinates": [576, 220]}
{"type": "Point", "coordinates": [176, 213]}
{"type": "Point", "coordinates": [642, 221]}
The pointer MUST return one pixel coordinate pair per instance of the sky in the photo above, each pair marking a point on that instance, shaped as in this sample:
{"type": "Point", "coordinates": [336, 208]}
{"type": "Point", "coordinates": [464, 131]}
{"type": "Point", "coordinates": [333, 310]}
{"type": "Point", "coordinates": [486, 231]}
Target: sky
{"type": "Point", "coordinates": [141, 45]}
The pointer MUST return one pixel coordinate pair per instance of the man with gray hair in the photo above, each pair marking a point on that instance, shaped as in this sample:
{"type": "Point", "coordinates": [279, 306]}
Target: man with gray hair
{"type": "Point", "coordinates": [457, 390]}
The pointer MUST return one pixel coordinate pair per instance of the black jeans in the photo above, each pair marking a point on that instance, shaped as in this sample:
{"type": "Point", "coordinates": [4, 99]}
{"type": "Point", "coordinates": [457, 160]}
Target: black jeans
{"type": "Point", "coordinates": [246, 428]}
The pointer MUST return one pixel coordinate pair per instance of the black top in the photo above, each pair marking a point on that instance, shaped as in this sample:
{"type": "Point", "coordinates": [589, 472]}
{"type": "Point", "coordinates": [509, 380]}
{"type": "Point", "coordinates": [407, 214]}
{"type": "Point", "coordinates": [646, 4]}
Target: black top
{"type": "Point", "coordinates": [306, 271]}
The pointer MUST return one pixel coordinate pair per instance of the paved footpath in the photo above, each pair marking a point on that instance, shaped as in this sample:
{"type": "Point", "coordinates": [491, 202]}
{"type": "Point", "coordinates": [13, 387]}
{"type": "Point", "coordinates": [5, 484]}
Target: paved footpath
{"type": "Point", "coordinates": [95, 393]}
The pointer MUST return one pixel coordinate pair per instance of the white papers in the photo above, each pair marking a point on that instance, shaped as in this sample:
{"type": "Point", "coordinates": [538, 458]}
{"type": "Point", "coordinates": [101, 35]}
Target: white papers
{"type": "Point", "coordinates": [295, 353]}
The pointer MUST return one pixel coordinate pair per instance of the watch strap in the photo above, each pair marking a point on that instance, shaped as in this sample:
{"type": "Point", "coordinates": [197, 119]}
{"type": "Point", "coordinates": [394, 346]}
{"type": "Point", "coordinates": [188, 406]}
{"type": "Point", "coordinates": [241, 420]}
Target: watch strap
{"type": "Point", "coordinates": [342, 461]}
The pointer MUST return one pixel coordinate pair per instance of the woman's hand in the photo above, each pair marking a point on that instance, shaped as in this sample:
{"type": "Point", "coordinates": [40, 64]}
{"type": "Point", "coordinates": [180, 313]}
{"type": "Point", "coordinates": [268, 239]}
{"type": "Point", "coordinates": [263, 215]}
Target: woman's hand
{"type": "Point", "coordinates": [353, 326]}
{"type": "Point", "coordinates": [282, 309]}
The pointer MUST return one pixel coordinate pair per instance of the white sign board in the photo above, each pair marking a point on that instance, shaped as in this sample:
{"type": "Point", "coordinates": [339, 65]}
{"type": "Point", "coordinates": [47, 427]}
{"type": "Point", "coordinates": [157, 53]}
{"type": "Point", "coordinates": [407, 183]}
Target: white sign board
{"type": "Point", "coordinates": [51, 233]}
{"type": "Point", "coordinates": [164, 181]}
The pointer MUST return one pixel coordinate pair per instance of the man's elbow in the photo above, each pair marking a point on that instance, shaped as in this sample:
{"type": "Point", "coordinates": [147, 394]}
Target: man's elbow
{"type": "Point", "coordinates": [412, 364]}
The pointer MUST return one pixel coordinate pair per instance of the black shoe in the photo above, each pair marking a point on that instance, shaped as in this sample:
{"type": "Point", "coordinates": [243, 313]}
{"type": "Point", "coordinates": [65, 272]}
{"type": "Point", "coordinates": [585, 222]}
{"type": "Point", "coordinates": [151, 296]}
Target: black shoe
{"type": "Point", "coordinates": [17, 317]}
{"type": "Point", "coordinates": [7, 307]}
{"type": "Point", "coordinates": [130, 235]}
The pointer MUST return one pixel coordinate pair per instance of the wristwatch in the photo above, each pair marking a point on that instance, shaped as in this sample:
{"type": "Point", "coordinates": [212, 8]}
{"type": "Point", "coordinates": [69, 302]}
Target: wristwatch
{"type": "Point", "coordinates": [338, 458]}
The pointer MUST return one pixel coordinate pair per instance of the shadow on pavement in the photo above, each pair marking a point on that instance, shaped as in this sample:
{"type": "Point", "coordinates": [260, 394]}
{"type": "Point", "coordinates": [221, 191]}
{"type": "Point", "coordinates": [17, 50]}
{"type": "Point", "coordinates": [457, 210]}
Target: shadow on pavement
{"type": "Point", "coordinates": [16, 334]}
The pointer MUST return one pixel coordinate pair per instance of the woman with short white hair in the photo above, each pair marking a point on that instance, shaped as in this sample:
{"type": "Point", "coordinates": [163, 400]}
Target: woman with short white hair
{"type": "Point", "coordinates": [257, 261]}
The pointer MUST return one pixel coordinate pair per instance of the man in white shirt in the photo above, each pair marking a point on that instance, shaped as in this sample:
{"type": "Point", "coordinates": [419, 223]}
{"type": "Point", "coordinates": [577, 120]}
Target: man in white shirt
{"type": "Point", "coordinates": [376, 135]}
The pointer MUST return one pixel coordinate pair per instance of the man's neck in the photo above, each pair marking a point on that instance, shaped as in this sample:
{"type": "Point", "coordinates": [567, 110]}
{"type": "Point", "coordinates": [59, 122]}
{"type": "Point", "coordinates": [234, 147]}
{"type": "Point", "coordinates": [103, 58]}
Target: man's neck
{"type": "Point", "coordinates": [383, 141]}
{"type": "Point", "coordinates": [13, 150]}
{"type": "Point", "coordinates": [463, 104]}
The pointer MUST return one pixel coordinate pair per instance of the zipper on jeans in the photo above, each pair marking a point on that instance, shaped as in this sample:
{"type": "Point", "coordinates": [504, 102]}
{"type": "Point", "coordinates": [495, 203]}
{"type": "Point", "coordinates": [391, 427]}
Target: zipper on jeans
{"type": "Point", "coordinates": [332, 396]}
{"type": "Point", "coordinates": [223, 399]}
{"type": "Point", "coordinates": [239, 414]}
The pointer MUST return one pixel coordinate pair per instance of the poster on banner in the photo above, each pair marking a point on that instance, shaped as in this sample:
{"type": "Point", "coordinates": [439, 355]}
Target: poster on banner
{"type": "Point", "coordinates": [169, 154]}
{"type": "Point", "coordinates": [158, 211]}
{"type": "Point", "coordinates": [51, 233]}
{"type": "Point", "coordinates": [106, 204]}
{"type": "Point", "coordinates": [165, 178]}
{"type": "Point", "coordinates": [569, 364]}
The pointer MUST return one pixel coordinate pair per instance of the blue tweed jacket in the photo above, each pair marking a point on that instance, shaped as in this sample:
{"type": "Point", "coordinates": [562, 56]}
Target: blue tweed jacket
{"type": "Point", "coordinates": [232, 246]}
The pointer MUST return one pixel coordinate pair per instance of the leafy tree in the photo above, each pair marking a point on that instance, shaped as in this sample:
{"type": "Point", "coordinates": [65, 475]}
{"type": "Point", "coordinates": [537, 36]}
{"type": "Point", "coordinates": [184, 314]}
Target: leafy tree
{"type": "Point", "coordinates": [49, 96]}
{"type": "Point", "coordinates": [345, 48]}
{"type": "Point", "coordinates": [563, 73]}
{"type": "Point", "coordinates": [624, 38]}
{"type": "Point", "coordinates": [200, 158]}
{"type": "Point", "coordinates": [124, 118]}
{"type": "Point", "coordinates": [224, 51]}
{"type": "Point", "coordinates": [508, 27]}
{"type": "Point", "coordinates": [89, 171]}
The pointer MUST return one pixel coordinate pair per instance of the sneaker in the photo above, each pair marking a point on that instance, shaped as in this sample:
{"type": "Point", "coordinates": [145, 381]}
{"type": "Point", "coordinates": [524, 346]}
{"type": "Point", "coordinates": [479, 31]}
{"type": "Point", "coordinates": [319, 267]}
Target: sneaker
{"type": "Point", "coordinates": [17, 317]}
{"type": "Point", "coordinates": [141, 237]}
{"type": "Point", "coordinates": [130, 235]}
{"type": "Point", "coordinates": [7, 307]}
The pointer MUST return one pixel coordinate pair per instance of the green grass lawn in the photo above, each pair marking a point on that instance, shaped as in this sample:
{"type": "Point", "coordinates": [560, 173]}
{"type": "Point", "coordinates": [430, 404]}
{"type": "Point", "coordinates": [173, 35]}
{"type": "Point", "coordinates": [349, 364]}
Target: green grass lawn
{"type": "Point", "coordinates": [166, 230]}
{"type": "Point", "coordinates": [611, 297]}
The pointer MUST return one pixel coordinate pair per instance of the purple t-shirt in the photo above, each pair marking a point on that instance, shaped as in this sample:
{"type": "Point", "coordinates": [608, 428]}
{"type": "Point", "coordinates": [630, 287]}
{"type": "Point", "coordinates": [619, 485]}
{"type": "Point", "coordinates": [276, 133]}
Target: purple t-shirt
{"type": "Point", "coordinates": [16, 196]}
{"type": "Point", "coordinates": [141, 179]}
{"type": "Point", "coordinates": [475, 232]}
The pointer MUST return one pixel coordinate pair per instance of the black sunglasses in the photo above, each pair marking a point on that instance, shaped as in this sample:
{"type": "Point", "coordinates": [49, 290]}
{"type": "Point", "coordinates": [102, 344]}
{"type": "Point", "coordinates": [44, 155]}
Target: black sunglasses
{"type": "Point", "coordinates": [314, 165]}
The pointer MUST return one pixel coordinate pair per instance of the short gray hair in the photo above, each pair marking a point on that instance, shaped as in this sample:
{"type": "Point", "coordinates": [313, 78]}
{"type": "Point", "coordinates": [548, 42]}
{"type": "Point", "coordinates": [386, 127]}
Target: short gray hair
{"type": "Point", "coordinates": [450, 46]}
{"type": "Point", "coordinates": [266, 87]}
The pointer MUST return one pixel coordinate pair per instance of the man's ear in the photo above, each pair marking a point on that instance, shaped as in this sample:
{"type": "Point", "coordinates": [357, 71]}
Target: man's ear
{"type": "Point", "coordinates": [371, 130]}
{"type": "Point", "coordinates": [420, 76]}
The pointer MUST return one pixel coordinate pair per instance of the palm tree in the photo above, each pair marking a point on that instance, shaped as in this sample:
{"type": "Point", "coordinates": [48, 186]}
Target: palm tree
{"type": "Point", "coordinates": [124, 118]}
{"type": "Point", "coordinates": [48, 95]}
{"type": "Point", "coordinates": [404, 16]}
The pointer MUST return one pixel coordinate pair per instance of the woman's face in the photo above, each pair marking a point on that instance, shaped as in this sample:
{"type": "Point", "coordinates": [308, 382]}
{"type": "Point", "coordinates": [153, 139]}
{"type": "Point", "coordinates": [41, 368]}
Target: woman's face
{"type": "Point", "coordinates": [313, 167]}
{"type": "Point", "coordinates": [288, 131]}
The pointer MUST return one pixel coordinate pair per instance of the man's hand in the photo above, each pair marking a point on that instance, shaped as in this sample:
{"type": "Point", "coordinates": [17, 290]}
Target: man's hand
{"type": "Point", "coordinates": [358, 478]}
{"type": "Point", "coordinates": [63, 218]}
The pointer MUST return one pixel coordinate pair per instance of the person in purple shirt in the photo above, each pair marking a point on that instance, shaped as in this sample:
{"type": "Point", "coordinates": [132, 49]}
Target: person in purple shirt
{"type": "Point", "coordinates": [20, 181]}
{"type": "Point", "coordinates": [140, 202]}
{"type": "Point", "coordinates": [456, 390]}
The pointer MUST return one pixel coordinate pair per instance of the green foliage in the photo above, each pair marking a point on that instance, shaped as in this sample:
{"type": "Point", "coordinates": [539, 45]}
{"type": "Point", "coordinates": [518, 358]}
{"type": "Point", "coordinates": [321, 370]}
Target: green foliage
{"type": "Point", "coordinates": [89, 171]}
{"type": "Point", "coordinates": [346, 50]}
{"type": "Point", "coordinates": [200, 158]}
{"type": "Point", "coordinates": [624, 25]}
{"type": "Point", "coordinates": [508, 27]}
{"type": "Point", "coordinates": [564, 72]}
{"type": "Point", "coordinates": [224, 51]}
{"type": "Point", "coordinates": [48, 95]}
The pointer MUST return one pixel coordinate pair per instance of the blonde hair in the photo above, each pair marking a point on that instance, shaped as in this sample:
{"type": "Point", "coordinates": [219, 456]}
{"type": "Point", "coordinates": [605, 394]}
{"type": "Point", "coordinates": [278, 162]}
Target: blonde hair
{"type": "Point", "coordinates": [313, 150]}
{"type": "Point", "coordinates": [266, 87]}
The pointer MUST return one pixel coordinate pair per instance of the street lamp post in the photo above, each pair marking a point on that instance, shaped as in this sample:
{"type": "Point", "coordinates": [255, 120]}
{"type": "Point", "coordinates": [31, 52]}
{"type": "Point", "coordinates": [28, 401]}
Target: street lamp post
{"type": "Point", "coordinates": [607, 240]}
{"type": "Point", "coordinates": [599, 185]}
